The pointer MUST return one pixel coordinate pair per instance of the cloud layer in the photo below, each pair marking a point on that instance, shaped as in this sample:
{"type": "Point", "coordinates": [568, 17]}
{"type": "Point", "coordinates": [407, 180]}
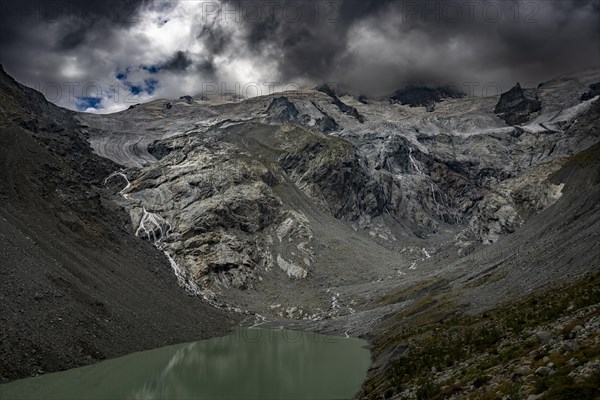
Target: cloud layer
{"type": "Point", "coordinates": [104, 56]}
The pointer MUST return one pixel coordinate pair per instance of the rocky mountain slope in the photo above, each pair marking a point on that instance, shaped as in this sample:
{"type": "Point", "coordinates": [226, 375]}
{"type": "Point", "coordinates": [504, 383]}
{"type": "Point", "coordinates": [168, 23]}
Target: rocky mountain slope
{"type": "Point", "coordinates": [236, 192]}
{"type": "Point", "coordinates": [527, 281]}
{"type": "Point", "coordinates": [317, 210]}
{"type": "Point", "coordinates": [77, 285]}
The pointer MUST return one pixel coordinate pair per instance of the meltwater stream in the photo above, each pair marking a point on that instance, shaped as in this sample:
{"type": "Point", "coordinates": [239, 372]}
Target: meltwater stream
{"type": "Point", "coordinates": [247, 364]}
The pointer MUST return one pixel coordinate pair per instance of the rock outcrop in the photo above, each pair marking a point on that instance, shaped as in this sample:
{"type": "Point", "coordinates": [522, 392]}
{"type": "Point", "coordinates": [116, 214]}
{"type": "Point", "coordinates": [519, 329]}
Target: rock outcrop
{"type": "Point", "coordinates": [593, 92]}
{"type": "Point", "coordinates": [422, 96]}
{"type": "Point", "coordinates": [330, 171]}
{"type": "Point", "coordinates": [282, 110]}
{"type": "Point", "coordinates": [343, 107]}
{"type": "Point", "coordinates": [306, 210]}
{"type": "Point", "coordinates": [516, 105]}
{"type": "Point", "coordinates": [77, 285]}
{"type": "Point", "coordinates": [227, 178]}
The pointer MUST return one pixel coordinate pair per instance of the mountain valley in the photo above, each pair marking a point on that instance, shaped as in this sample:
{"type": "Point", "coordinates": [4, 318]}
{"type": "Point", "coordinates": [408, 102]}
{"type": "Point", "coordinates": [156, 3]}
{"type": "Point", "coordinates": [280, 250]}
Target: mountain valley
{"type": "Point", "coordinates": [396, 219]}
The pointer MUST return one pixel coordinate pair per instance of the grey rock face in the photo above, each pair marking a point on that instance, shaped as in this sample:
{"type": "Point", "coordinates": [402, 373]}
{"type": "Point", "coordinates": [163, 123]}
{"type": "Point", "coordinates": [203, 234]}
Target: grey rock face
{"type": "Point", "coordinates": [205, 195]}
{"type": "Point", "coordinates": [343, 107]}
{"type": "Point", "coordinates": [293, 207]}
{"type": "Point", "coordinates": [329, 170]}
{"type": "Point", "coordinates": [417, 96]}
{"type": "Point", "coordinates": [282, 110]}
{"type": "Point", "coordinates": [516, 105]}
{"type": "Point", "coordinates": [245, 186]}
{"type": "Point", "coordinates": [513, 201]}
{"type": "Point", "coordinates": [593, 92]}
{"type": "Point", "coordinates": [76, 282]}
{"type": "Point", "coordinates": [187, 99]}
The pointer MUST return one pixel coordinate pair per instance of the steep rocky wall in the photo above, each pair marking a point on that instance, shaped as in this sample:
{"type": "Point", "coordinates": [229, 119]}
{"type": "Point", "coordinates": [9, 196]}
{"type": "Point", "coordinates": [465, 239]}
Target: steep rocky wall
{"type": "Point", "coordinates": [77, 285]}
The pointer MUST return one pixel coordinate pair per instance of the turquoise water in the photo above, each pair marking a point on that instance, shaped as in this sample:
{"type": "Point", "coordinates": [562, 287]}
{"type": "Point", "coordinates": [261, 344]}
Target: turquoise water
{"type": "Point", "coordinates": [247, 364]}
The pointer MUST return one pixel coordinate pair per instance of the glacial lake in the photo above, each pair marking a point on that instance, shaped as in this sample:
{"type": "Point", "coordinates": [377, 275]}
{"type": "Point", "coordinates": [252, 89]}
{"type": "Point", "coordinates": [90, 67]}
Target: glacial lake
{"type": "Point", "coordinates": [247, 364]}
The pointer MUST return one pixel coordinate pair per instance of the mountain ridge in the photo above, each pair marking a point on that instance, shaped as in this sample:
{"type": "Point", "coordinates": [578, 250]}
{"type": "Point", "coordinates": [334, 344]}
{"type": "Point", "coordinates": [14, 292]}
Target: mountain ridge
{"type": "Point", "coordinates": [288, 210]}
{"type": "Point", "coordinates": [77, 285]}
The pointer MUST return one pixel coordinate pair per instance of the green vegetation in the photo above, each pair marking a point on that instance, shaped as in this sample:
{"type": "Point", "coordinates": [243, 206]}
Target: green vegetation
{"type": "Point", "coordinates": [588, 157]}
{"type": "Point", "coordinates": [310, 144]}
{"type": "Point", "coordinates": [472, 348]}
{"type": "Point", "coordinates": [566, 389]}
{"type": "Point", "coordinates": [426, 286]}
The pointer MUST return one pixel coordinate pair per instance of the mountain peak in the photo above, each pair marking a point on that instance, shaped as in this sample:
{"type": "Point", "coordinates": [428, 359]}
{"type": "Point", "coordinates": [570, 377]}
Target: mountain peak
{"type": "Point", "coordinates": [425, 96]}
{"type": "Point", "coordinates": [515, 106]}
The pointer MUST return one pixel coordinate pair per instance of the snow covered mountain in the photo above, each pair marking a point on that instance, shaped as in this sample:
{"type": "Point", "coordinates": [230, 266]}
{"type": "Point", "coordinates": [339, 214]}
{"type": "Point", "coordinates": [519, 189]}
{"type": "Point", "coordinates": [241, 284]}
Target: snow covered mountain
{"type": "Point", "coordinates": [300, 209]}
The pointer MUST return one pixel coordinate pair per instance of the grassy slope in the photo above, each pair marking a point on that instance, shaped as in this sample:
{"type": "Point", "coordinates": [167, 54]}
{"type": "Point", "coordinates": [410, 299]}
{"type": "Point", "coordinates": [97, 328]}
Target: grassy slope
{"type": "Point", "coordinates": [472, 348]}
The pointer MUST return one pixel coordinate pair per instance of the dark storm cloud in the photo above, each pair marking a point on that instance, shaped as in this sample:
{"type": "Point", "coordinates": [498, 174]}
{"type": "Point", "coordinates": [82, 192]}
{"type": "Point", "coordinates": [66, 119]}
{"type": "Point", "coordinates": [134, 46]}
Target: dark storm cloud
{"type": "Point", "coordinates": [178, 63]}
{"type": "Point", "coordinates": [72, 38]}
{"type": "Point", "coordinates": [81, 20]}
{"type": "Point", "coordinates": [207, 67]}
{"type": "Point", "coordinates": [366, 46]}
{"type": "Point", "coordinates": [525, 40]}
{"type": "Point", "coordinates": [35, 31]}
{"type": "Point", "coordinates": [182, 61]}
{"type": "Point", "coordinates": [214, 37]}
{"type": "Point", "coordinates": [309, 35]}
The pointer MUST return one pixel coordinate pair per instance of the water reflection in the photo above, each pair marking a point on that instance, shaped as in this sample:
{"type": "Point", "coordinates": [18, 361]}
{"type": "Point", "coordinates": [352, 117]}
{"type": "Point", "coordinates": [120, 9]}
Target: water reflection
{"type": "Point", "coordinates": [248, 364]}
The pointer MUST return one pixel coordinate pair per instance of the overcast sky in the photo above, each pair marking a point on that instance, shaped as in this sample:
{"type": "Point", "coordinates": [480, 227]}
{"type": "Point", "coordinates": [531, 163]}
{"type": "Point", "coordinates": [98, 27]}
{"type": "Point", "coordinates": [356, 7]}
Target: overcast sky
{"type": "Point", "coordinates": [103, 56]}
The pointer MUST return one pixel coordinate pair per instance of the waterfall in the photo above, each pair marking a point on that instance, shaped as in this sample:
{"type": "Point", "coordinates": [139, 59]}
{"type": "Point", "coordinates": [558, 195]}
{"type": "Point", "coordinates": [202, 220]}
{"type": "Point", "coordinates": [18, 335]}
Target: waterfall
{"type": "Point", "coordinates": [413, 163]}
{"type": "Point", "coordinates": [121, 174]}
